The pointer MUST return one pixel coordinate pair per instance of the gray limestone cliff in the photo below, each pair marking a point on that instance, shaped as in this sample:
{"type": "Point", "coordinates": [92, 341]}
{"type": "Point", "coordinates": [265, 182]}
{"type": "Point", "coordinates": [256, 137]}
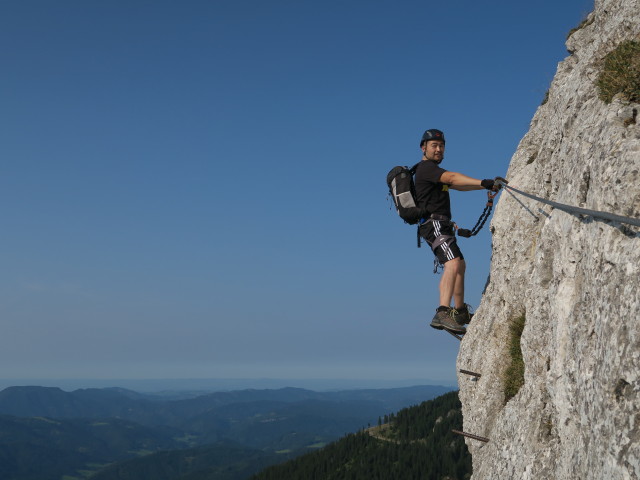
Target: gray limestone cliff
{"type": "Point", "coordinates": [575, 279]}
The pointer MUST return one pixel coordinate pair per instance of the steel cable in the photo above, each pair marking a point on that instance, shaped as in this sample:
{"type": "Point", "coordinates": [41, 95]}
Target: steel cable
{"type": "Point", "coordinates": [583, 211]}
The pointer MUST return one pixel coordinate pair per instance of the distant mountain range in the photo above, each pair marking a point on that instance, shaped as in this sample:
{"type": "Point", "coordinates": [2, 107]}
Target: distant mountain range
{"type": "Point", "coordinates": [46, 432]}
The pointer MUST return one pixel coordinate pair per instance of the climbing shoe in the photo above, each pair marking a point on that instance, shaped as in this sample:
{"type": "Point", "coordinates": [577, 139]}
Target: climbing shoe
{"type": "Point", "coordinates": [462, 315]}
{"type": "Point", "coordinates": [444, 319]}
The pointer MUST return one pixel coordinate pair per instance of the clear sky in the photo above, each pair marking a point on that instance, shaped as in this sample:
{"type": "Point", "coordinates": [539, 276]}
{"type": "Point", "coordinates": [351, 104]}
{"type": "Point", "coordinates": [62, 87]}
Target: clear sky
{"type": "Point", "coordinates": [197, 189]}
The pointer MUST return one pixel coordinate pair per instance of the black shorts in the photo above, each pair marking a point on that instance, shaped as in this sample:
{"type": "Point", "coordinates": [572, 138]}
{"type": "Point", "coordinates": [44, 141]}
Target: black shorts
{"type": "Point", "coordinates": [441, 237]}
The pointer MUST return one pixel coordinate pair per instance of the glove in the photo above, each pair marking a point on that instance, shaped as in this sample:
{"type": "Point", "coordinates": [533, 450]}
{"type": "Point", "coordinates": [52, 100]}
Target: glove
{"type": "Point", "coordinates": [488, 183]}
{"type": "Point", "coordinates": [493, 184]}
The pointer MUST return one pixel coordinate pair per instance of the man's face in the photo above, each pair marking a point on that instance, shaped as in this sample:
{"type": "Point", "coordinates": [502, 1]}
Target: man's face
{"type": "Point", "coordinates": [434, 150]}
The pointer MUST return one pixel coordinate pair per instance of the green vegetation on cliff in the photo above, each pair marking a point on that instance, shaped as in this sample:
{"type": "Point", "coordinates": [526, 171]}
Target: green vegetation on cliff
{"type": "Point", "coordinates": [621, 73]}
{"type": "Point", "coordinates": [514, 374]}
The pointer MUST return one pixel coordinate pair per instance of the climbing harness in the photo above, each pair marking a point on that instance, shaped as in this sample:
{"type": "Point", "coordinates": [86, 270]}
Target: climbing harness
{"type": "Point", "coordinates": [440, 239]}
{"type": "Point", "coordinates": [462, 232]}
{"type": "Point", "coordinates": [577, 210]}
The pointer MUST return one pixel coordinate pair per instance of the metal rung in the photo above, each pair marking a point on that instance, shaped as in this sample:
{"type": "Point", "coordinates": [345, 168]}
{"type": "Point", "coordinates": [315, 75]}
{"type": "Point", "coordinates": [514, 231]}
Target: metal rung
{"type": "Point", "coordinates": [470, 435]}
{"type": "Point", "coordinates": [473, 374]}
{"type": "Point", "coordinates": [459, 337]}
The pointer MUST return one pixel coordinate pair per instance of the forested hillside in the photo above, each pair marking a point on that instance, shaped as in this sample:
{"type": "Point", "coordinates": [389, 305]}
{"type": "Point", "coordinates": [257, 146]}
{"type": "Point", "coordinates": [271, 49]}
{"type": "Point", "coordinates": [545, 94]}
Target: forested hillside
{"type": "Point", "coordinates": [416, 443]}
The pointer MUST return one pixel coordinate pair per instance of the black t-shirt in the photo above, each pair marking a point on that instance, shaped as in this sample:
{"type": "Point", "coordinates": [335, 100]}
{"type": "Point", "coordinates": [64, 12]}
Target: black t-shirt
{"type": "Point", "coordinates": [429, 191]}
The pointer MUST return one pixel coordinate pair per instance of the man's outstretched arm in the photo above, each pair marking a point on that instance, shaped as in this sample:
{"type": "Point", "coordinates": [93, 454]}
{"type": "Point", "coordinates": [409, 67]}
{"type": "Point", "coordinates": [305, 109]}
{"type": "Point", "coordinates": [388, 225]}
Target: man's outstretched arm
{"type": "Point", "coordinates": [464, 188]}
{"type": "Point", "coordinates": [459, 181]}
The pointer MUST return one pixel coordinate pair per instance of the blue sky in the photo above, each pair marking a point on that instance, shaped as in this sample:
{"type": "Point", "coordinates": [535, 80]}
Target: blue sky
{"type": "Point", "coordinates": [197, 189]}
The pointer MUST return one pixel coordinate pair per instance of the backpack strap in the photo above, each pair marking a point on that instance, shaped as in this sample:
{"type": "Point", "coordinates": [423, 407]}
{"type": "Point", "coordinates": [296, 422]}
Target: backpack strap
{"type": "Point", "coordinates": [413, 172]}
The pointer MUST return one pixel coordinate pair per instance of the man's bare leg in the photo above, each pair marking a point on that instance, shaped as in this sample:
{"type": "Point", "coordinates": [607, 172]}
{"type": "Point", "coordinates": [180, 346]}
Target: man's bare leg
{"type": "Point", "coordinates": [458, 290]}
{"type": "Point", "coordinates": [452, 282]}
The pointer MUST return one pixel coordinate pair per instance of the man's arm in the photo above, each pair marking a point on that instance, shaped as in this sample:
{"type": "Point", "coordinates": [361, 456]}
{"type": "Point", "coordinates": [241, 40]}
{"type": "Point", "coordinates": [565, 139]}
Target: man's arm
{"type": "Point", "coordinates": [464, 188]}
{"type": "Point", "coordinates": [458, 181]}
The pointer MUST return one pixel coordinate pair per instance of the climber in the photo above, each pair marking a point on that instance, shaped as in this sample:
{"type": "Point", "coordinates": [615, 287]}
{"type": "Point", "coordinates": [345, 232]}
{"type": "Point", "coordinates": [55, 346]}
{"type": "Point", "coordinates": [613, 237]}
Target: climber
{"type": "Point", "coordinates": [432, 191]}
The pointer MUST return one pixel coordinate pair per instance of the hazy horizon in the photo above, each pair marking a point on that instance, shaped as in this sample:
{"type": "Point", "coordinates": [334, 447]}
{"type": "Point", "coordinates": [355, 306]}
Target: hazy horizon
{"type": "Point", "coordinates": [157, 385]}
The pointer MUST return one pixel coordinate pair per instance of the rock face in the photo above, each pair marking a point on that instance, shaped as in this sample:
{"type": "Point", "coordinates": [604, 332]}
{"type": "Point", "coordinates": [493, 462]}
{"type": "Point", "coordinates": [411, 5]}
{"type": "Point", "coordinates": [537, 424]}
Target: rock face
{"type": "Point", "coordinates": [576, 279]}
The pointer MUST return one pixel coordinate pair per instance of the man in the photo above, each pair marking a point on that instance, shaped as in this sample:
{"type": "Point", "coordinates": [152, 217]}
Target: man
{"type": "Point", "coordinates": [432, 192]}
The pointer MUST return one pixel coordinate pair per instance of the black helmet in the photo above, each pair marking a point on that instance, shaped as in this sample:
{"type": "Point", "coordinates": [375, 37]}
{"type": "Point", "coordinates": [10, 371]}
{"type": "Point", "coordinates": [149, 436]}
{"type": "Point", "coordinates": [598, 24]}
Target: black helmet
{"type": "Point", "coordinates": [432, 134]}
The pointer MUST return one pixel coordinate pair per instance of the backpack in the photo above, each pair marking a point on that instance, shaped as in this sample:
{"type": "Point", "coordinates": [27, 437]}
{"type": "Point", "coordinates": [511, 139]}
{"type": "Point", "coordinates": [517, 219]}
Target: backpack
{"type": "Point", "coordinates": [403, 191]}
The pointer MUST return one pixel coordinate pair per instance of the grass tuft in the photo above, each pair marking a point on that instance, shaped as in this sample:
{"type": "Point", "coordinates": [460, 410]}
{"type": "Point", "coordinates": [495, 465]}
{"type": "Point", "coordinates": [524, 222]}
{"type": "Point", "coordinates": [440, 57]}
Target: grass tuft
{"type": "Point", "coordinates": [546, 98]}
{"type": "Point", "coordinates": [514, 374]}
{"type": "Point", "coordinates": [583, 24]}
{"type": "Point", "coordinates": [621, 73]}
